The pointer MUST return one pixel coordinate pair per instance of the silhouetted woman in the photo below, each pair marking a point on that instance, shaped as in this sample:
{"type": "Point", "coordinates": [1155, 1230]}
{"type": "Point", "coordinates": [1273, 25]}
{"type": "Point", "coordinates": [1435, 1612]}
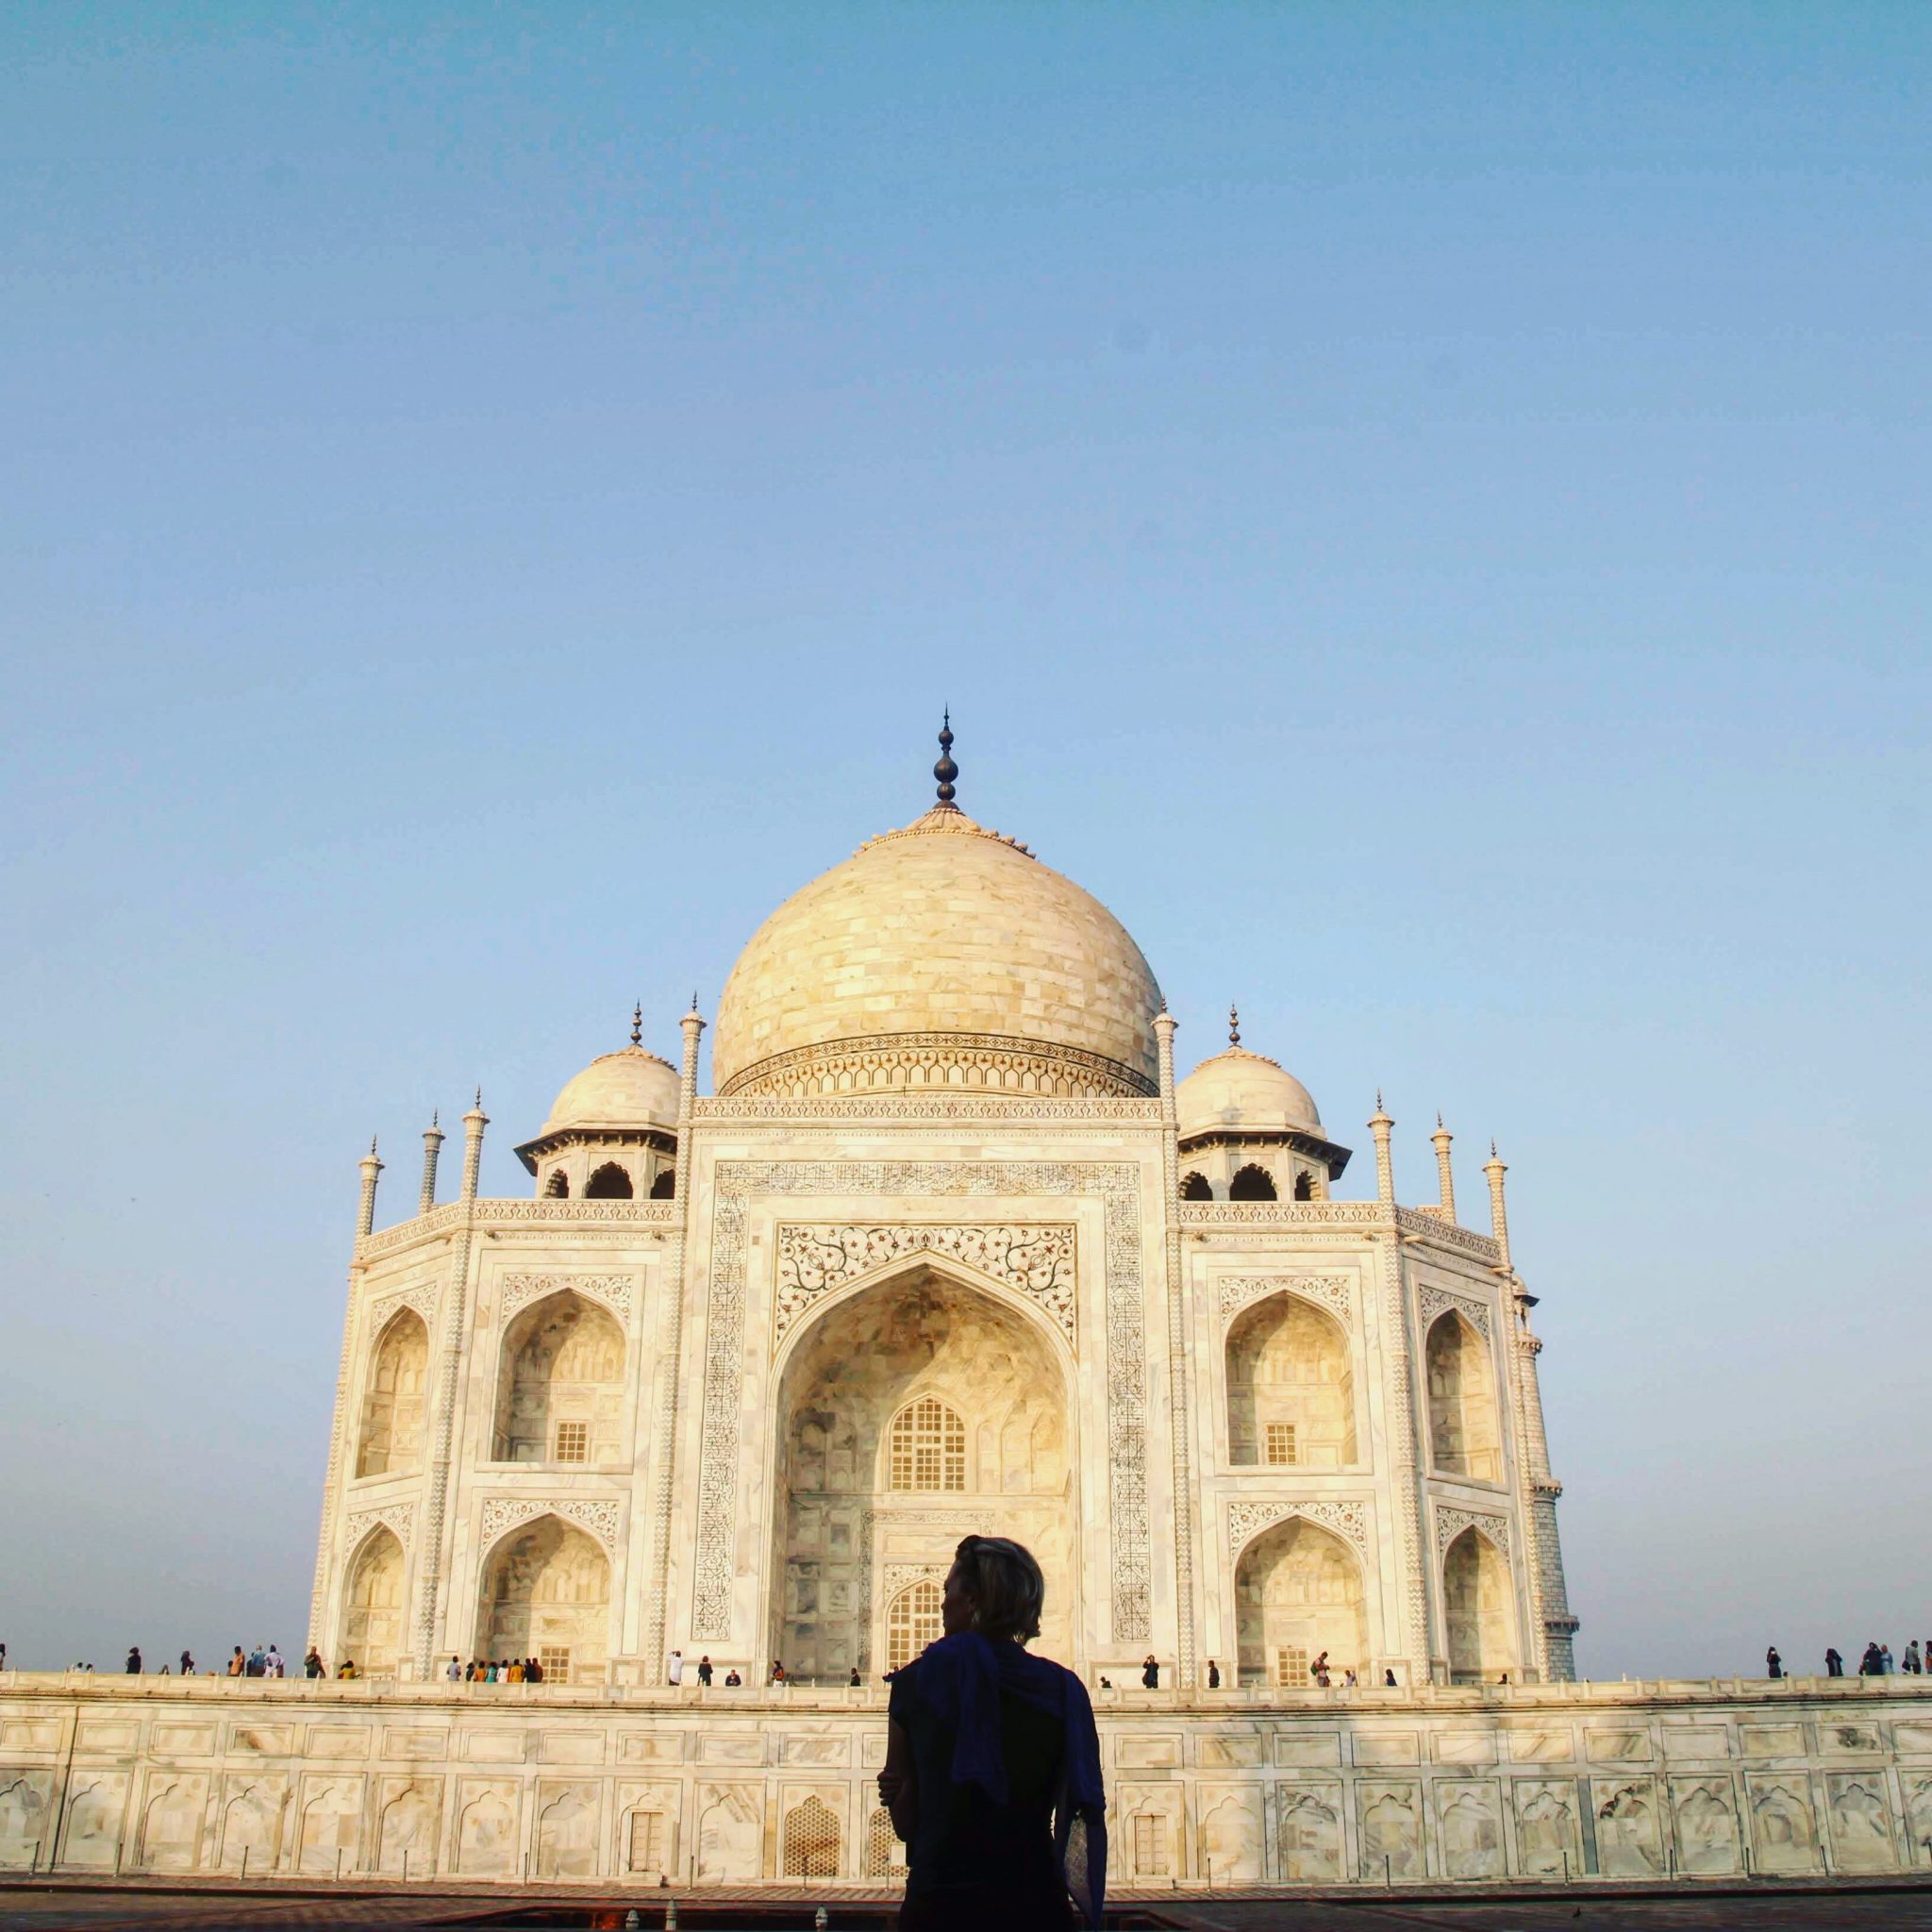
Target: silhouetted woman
{"type": "Point", "coordinates": [992, 1763]}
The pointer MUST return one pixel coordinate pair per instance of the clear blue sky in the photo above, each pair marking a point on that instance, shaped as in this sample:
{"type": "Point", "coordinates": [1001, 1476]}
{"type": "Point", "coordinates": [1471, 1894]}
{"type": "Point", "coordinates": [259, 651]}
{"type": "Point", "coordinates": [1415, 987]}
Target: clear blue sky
{"type": "Point", "coordinates": [1422, 510]}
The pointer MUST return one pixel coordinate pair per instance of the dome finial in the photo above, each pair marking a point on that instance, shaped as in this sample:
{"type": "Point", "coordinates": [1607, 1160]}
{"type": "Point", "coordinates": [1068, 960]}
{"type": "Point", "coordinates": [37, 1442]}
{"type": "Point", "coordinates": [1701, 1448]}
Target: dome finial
{"type": "Point", "coordinates": [1234, 1026]}
{"type": "Point", "coordinates": [945, 771]}
{"type": "Point", "coordinates": [637, 1023]}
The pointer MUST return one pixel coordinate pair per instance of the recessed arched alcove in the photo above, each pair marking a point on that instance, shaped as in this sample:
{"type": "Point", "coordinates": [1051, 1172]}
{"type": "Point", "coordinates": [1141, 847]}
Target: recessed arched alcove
{"type": "Point", "coordinates": [921, 1409]}
{"type": "Point", "coordinates": [1290, 1387]}
{"type": "Point", "coordinates": [372, 1627]}
{"type": "Point", "coordinates": [390, 1442]}
{"type": "Point", "coordinates": [1479, 1610]}
{"type": "Point", "coordinates": [559, 1394]}
{"type": "Point", "coordinates": [1465, 1431]}
{"type": "Point", "coordinates": [546, 1593]}
{"type": "Point", "coordinates": [1298, 1593]}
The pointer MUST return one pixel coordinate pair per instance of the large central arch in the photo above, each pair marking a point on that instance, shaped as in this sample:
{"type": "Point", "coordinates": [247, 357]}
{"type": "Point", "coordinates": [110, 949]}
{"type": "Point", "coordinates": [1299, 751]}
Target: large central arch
{"type": "Point", "coordinates": [915, 1410]}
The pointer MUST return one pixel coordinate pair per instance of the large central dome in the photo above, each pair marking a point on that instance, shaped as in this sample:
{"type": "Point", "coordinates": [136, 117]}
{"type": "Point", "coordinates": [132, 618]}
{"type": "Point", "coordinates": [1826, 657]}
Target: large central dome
{"type": "Point", "coordinates": [941, 954]}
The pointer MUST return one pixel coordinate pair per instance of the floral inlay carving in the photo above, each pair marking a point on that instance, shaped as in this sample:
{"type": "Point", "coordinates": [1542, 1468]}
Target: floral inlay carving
{"type": "Point", "coordinates": [1036, 1259]}
{"type": "Point", "coordinates": [601, 1517]}
{"type": "Point", "coordinates": [1449, 1524]}
{"type": "Point", "coordinates": [1349, 1520]}
{"type": "Point", "coordinates": [421, 1296]}
{"type": "Point", "coordinates": [1335, 1293]}
{"type": "Point", "coordinates": [399, 1517]}
{"type": "Point", "coordinates": [614, 1291]}
{"type": "Point", "coordinates": [1431, 1302]}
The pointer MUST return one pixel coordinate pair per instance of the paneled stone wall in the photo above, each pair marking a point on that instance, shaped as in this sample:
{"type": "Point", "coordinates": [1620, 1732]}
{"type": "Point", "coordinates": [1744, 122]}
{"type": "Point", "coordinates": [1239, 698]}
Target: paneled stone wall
{"type": "Point", "coordinates": [1613, 1781]}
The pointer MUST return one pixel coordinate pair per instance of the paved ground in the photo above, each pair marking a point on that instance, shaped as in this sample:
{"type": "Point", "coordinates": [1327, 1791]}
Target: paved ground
{"type": "Point", "coordinates": [79, 1907]}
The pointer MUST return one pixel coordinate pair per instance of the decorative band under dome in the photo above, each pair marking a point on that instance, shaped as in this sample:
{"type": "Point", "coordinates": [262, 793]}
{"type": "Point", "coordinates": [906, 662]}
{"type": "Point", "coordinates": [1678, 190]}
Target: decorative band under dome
{"type": "Point", "coordinates": [958, 1062]}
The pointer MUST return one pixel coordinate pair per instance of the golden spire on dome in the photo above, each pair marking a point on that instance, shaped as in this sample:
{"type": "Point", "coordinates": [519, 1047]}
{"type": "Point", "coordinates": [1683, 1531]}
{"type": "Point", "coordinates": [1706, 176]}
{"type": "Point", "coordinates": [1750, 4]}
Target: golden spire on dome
{"type": "Point", "coordinates": [637, 1023]}
{"type": "Point", "coordinates": [1234, 1026]}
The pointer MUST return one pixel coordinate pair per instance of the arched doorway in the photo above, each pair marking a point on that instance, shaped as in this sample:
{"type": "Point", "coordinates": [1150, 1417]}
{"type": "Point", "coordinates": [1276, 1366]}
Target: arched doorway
{"type": "Point", "coordinates": [1291, 1390]}
{"type": "Point", "coordinates": [917, 1410]}
{"type": "Point", "coordinates": [1298, 1591]}
{"type": "Point", "coordinates": [546, 1595]}
{"type": "Point", "coordinates": [372, 1616]}
{"type": "Point", "coordinates": [1465, 1432]}
{"type": "Point", "coordinates": [1479, 1610]}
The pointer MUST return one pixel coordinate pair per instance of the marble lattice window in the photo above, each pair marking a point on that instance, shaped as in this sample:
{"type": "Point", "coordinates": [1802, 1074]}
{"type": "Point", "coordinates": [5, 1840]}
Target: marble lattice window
{"type": "Point", "coordinates": [555, 1660]}
{"type": "Point", "coordinates": [1281, 1443]}
{"type": "Point", "coordinates": [928, 1447]}
{"type": "Point", "coordinates": [912, 1622]}
{"type": "Point", "coordinates": [811, 1842]}
{"type": "Point", "coordinates": [1292, 1668]}
{"type": "Point", "coordinates": [573, 1441]}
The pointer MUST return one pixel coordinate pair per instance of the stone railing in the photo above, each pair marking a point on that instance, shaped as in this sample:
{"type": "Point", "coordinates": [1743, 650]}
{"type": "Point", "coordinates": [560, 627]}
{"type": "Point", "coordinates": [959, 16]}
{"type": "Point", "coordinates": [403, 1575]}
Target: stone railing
{"type": "Point", "coordinates": [504, 1213]}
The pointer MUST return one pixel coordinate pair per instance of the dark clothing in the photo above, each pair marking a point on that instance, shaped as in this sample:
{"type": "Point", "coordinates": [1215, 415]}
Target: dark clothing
{"type": "Point", "coordinates": [705, 1675]}
{"type": "Point", "coordinates": [1214, 1676]}
{"type": "Point", "coordinates": [1834, 1664]}
{"type": "Point", "coordinates": [1150, 1676]}
{"type": "Point", "coordinates": [996, 1736]}
{"type": "Point", "coordinates": [1774, 1664]}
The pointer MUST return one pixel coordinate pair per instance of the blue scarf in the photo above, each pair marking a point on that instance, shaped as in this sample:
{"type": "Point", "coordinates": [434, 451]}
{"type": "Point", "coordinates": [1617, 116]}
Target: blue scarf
{"type": "Point", "coordinates": [961, 1679]}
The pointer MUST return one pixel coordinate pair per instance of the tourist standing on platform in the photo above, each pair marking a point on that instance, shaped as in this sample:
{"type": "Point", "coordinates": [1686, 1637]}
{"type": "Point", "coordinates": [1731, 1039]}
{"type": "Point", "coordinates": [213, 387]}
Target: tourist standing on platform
{"type": "Point", "coordinates": [1214, 1675]}
{"type": "Point", "coordinates": [1774, 1664]}
{"type": "Point", "coordinates": [134, 1662]}
{"type": "Point", "coordinates": [1909, 1662]}
{"type": "Point", "coordinates": [704, 1674]}
{"type": "Point", "coordinates": [1150, 1675]}
{"type": "Point", "coordinates": [674, 1668]}
{"type": "Point", "coordinates": [312, 1665]}
{"type": "Point", "coordinates": [1834, 1664]}
{"type": "Point", "coordinates": [992, 1763]}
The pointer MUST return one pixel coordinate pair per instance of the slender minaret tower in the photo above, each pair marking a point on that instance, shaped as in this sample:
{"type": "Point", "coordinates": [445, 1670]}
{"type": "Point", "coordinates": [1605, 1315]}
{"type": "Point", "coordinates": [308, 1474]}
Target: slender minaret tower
{"type": "Point", "coordinates": [1499, 1213]}
{"type": "Point", "coordinates": [1445, 1175]}
{"type": "Point", "coordinates": [1164, 1027]}
{"type": "Point", "coordinates": [432, 1149]}
{"type": "Point", "coordinates": [365, 1215]}
{"type": "Point", "coordinates": [1381, 1126]}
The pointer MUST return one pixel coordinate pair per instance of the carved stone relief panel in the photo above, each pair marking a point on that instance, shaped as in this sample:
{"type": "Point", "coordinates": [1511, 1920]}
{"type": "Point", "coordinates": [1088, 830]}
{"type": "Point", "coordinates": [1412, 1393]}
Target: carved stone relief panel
{"type": "Point", "coordinates": [421, 1295]}
{"type": "Point", "coordinates": [1860, 1816]}
{"type": "Point", "coordinates": [1115, 1184]}
{"type": "Point", "coordinates": [1469, 1822]}
{"type": "Point", "coordinates": [1392, 1838]}
{"type": "Point", "coordinates": [1547, 1835]}
{"type": "Point", "coordinates": [1784, 1833]}
{"type": "Point", "coordinates": [1704, 1813]}
{"type": "Point", "coordinates": [1629, 1832]}
{"type": "Point", "coordinates": [1037, 1261]}
{"type": "Point", "coordinates": [1230, 1836]}
{"type": "Point", "coordinates": [1309, 1831]}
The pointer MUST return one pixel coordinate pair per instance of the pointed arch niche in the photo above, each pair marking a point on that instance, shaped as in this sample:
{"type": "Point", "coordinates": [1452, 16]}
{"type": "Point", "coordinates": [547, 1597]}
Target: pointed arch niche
{"type": "Point", "coordinates": [1465, 1429]}
{"type": "Point", "coordinates": [919, 1408]}
{"type": "Point", "coordinates": [559, 1386]}
{"type": "Point", "coordinates": [371, 1630]}
{"type": "Point", "coordinates": [546, 1593]}
{"type": "Point", "coordinates": [1290, 1387]}
{"type": "Point", "coordinates": [1478, 1610]}
{"type": "Point", "coordinates": [1298, 1591]}
{"type": "Point", "coordinates": [391, 1442]}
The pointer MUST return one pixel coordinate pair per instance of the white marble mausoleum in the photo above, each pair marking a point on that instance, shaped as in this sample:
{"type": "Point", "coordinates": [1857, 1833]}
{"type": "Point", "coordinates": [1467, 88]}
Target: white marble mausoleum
{"type": "Point", "coordinates": [947, 1246]}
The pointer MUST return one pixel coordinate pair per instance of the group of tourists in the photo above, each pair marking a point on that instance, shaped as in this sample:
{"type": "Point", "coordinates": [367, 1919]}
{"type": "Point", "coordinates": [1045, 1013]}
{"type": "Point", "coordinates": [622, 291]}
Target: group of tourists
{"type": "Point", "coordinates": [497, 1669]}
{"type": "Point", "coordinates": [1877, 1662]}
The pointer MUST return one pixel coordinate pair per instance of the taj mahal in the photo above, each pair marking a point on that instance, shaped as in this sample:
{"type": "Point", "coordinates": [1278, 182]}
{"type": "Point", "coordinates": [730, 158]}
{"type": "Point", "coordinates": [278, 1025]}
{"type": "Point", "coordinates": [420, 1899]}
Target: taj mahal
{"type": "Point", "coordinates": [948, 1246]}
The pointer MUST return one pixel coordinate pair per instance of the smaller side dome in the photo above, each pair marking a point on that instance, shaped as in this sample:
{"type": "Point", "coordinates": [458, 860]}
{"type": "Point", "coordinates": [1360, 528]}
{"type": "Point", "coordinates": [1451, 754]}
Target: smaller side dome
{"type": "Point", "coordinates": [629, 1088]}
{"type": "Point", "coordinates": [1240, 1089]}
